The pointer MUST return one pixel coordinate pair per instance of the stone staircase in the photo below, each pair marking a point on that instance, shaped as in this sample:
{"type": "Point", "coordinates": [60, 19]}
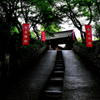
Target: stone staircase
{"type": "Point", "coordinates": [54, 86]}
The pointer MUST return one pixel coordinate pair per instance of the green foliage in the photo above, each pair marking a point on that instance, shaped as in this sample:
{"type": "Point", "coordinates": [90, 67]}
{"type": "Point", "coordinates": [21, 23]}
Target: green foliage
{"type": "Point", "coordinates": [32, 47]}
{"type": "Point", "coordinates": [79, 39]}
{"type": "Point", "coordinates": [84, 47]}
{"type": "Point", "coordinates": [33, 41]}
{"type": "Point", "coordinates": [14, 29]}
{"type": "Point", "coordinates": [80, 44]}
{"type": "Point", "coordinates": [50, 29]}
{"type": "Point", "coordinates": [47, 14]}
{"type": "Point", "coordinates": [26, 49]}
{"type": "Point", "coordinates": [97, 32]}
{"type": "Point", "coordinates": [79, 58]}
{"type": "Point", "coordinates": [42, 29]}
{"type": "Point", "coordinates": [96, 39]}
{"type": "Point", "coordinates": [33, 35]}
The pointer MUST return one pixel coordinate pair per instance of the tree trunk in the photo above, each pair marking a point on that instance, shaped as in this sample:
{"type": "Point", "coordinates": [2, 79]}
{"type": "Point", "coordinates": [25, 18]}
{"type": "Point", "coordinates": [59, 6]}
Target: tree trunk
{"type": "Point", "coordinates": [83, 40]}
{"type": "Point", "coordinates": [36, 33]}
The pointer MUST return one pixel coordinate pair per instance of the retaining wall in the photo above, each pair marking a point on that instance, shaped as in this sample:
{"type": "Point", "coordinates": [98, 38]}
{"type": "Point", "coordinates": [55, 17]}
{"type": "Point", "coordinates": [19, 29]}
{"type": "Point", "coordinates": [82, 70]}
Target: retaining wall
{"type": "Point", "coordinates": [21, 63]}
{"type": "Point", "coordinates": [91, 59]}
{"type": "Point", "coordinates": [32, 58]}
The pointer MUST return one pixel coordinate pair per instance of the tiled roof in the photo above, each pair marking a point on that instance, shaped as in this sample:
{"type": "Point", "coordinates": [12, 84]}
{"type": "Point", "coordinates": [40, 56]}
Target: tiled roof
{"type": "Point", "coordinates": [60, 35]}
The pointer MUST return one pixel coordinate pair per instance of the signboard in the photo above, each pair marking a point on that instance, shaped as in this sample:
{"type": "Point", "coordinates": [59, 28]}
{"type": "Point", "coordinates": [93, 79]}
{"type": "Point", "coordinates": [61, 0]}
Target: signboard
{"type": "Point", "coordinates": [43, 35]}
{"type": "Point", "coordinates": [25, 34]}
{"type": "Point", "coordinates": [73, 35]}
{"type": "Point", "coordinates": [88, 35]}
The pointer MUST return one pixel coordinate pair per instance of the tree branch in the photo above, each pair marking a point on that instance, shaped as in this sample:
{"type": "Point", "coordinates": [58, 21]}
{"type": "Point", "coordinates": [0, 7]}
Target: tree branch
{"type": "Point", "coordinates": [90, 15]}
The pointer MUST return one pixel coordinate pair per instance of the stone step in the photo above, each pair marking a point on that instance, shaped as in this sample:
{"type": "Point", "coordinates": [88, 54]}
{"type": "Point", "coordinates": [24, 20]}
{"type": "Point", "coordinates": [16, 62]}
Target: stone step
{"type": "Point", "coordinates": [51, 93]}
{"type": "Point", "coordinates": [53, 90]}
{"type": "Point", "coordinates": [55, 83]}
{"type": "Point", "coordinates": [54, 86]}
{"type": "Point", "coordinates": [59, 62]}
{"type": "Point", "coordinates": [59, 52]}
{"type": "Point", "coordinates": [59, 56]}
{"type": "Point", "coordinates": [59, 69]}
{"type": "Point", "coordinates": [59, 65]}
{"type": "Point", "coordinates": [59, 59]}
{"type": "Point", "coordinates": [58, 73]}
{"type": "Point", "coordinates": [56, 79]}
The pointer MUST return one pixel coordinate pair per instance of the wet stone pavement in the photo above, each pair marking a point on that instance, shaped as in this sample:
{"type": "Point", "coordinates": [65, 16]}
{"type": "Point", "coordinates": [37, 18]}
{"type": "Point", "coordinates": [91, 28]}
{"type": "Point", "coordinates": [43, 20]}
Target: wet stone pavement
{"type": "Point", "coordinates": [79, 82]}
{"type": "Point", "coordinates": [29, 86]}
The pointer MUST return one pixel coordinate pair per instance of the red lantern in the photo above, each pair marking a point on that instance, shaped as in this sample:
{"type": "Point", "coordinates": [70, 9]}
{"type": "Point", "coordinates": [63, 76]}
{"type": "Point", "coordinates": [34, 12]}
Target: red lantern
{"type": "Point", "coordinates": [43, 35]}
{"type": "Point", "coordinates": [88, 35]}
{"type": "Point", "coordinates": [25, 34]}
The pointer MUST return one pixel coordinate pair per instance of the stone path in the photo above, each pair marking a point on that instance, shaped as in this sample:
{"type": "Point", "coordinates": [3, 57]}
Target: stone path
{"type": "Point", "coordinates": [29, 87]}
{"type": "Point", "coordinates": [79, 83]}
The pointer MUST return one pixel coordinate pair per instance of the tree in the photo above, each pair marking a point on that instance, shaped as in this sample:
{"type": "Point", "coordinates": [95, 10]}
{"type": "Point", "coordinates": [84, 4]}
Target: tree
{"type": "Point", "coordinates": [50, 29]}
{"type": "Point", "coordinates": [48, 15]}
{"type": "Point", "coordinates": [96, 17]}
{"type": "Point", "coordinates": [75, 9]}
{"type": "Point", "coordinates": [39, 13]}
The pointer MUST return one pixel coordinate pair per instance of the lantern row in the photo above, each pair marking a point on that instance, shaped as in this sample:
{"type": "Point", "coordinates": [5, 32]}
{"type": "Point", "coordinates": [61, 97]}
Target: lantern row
{"type": "Point", "coordinates": [26, 35]}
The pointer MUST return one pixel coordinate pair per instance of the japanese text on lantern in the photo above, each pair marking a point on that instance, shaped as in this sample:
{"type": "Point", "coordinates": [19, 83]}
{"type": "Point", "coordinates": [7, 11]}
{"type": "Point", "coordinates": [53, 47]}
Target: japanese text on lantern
{"type": "Point", "coordinates": [25, 34]}
{"type": "Point", "coordinates": [43, 35]}
{"type": "Point", "coordinates": [88, 35]}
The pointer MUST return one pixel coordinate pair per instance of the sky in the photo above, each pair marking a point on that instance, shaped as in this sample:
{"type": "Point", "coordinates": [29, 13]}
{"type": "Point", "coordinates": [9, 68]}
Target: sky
{"type": "Point", "coordinates": [69, 26]}
{"type": "Point", "coordinates": [66, 27]}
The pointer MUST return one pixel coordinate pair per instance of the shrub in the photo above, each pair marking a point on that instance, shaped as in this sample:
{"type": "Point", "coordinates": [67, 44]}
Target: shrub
{"type": "Point", "coordinates": [83, 46]}
{"type": "Point", "coordinates": [79, 39]}
{"type": "Point", "coordinates": [32, 47]}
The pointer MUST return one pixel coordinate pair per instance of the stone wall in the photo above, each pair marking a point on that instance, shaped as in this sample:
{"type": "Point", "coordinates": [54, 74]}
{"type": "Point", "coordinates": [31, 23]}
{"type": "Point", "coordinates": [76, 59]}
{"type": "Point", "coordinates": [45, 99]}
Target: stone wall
{"type": "Point", "coordinates": [34, 56]}
{"type": "Point", "coordinates": [92, 59]}
{"type": "Point", "coordinates": [96, 57]}
{"type": "Point", "coordinates": [22, 63]}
